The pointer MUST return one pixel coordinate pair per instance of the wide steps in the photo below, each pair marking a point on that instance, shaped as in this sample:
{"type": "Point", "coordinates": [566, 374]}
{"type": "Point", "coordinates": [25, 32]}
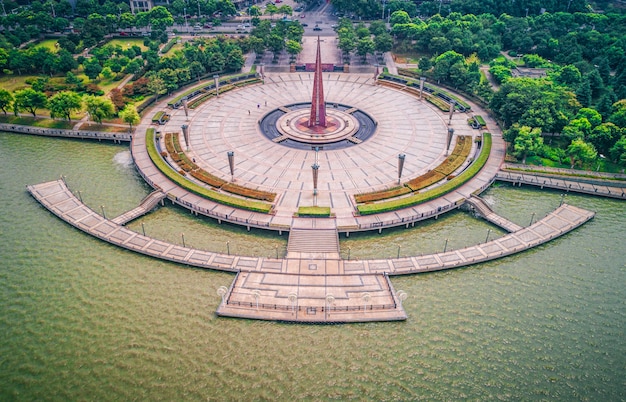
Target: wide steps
{"type": "Point", "coordinates": [313, 241]}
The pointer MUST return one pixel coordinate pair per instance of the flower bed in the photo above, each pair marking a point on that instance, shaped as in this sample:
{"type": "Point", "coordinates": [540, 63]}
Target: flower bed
{"type": "Point", "coordinates": [465, 176]}
{"type": "Point", "coordinates": [255, 206]}
{"type": "Point", "coordinates": [381, 195]}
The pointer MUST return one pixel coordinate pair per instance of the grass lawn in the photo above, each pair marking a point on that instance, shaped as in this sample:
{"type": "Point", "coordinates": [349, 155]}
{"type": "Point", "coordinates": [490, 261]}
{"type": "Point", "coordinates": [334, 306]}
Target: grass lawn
{"type": "Point", "coordinates": [37, 122]}
{"type": "Point", "coordinates": [127, 43]}
{"type": "Point", "coordinates": [100, 127]}
{"type": "Point", "coordinates": [13, 82]}
{"type": "Point", "coordinates": [50, 44]}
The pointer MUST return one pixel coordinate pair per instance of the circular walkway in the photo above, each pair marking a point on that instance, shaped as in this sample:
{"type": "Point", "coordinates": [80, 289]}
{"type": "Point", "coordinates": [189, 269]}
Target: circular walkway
{"type": "Point", "coordinates": [405, 125]}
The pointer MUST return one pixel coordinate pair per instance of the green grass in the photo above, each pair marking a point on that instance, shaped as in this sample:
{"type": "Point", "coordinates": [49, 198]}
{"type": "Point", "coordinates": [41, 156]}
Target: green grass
{"type": "Point", "coordinates": [167, 170]}
{"type": "Point", "coordinates": [392, 205]}
{"type": "Point", "coordinates": [14, 82]}
{"type": "Point", "coordinates": [37, 122]}
{"type": "Point", "coordinates": [128, 43]}
{"type": "Point", "coordinates": [320, 212]}
{"type": "Point", "coordinates": [49, 44]}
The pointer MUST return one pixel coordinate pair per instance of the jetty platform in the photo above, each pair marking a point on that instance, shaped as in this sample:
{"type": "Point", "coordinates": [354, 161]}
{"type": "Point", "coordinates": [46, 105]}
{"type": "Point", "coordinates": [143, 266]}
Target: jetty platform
{"type": "Point", "coordinates": [306, 287]}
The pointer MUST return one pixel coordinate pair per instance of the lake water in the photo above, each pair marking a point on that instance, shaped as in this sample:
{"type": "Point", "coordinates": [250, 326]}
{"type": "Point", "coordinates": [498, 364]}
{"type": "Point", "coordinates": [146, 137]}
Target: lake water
{"type": "Point", "coordinates": [83, 320]}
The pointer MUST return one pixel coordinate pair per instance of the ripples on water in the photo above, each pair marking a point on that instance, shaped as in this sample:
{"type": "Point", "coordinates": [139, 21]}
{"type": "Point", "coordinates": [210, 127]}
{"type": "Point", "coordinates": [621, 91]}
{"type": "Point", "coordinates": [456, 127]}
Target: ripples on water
{"type": "Point", "coordinates": [81, 319]}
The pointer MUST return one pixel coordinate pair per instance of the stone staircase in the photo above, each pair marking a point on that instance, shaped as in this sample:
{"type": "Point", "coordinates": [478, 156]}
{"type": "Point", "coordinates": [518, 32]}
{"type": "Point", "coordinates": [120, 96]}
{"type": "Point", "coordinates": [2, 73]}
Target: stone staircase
{"type": "Point", "coordinates": [313, 243]}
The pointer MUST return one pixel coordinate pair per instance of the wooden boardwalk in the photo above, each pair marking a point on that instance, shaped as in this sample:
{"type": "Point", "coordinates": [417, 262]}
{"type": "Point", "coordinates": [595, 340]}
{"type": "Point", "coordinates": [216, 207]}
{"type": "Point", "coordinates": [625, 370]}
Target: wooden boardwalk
{"type": "Point", "coordinates": [57, 132]}
{"type": "Point", "coordinates": [487, 213]}
{"type": "Point", "coordinates": [564, 184]}
{"type": "Point", "coordinates": [144, 207]}
{"type": "Point", "coordinates": [344, 291]}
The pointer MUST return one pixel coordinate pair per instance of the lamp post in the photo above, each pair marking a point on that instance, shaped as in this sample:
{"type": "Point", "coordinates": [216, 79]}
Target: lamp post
{"type": "Point", "coordinates": [216, 80]}
{"type": "Point", "coordinates": [450, 134]}
{"type": "Point", "coordinates": [401, 158]}
{"type": "Point", "coordinates": [185, 129]}
{"type": "Point", "coordinates": [231, 164]}
{"type": "Point", "coordinates": [315, 168]}
{"type": "Point", "coordinates": [452, 104]}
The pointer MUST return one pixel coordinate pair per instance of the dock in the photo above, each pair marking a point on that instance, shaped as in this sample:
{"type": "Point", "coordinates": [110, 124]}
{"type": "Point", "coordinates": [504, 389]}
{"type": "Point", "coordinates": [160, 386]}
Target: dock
{"type": "Point", "coordinates": [567, 185]}
{"type": "Point", "coordinates": [310, 287]}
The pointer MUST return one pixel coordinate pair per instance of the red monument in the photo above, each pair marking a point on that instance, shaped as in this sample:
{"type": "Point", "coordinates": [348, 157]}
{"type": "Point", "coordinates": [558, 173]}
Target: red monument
{"type": "Point", "coordinates": [318, 106]}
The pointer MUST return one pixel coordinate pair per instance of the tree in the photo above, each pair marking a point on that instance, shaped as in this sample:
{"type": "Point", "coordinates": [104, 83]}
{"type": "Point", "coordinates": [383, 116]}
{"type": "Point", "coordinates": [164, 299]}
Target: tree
{"type": "Point", "coordinates": [64, 103]}
{"type": "Point", "coordinates": [235, 60]}
{"type": "Point", "coordinates": [364, 47]}
{"type": "Point", "coordinates": [383, 42]}
{"type": "Point", "coordinates": [604, 136]}
{"type": "Point", "coordinates": [157, 86]}
{"type": "Point", "coordinates": [399, 17]}
{"type": "Point", "coordinates": [580, 152]}
{"type": "Point", "coordinates": [129, 115]}
{"type": "Point", "coordinates": [99, 108]}
{"type": "Point", "coordinates": [618, 151]}
{"type": "Point", "coordinates": [30, 100]}
{"type": "Point", "coordinates": [92, 68]}
{"type": "Point", "coordinates": [527, 142]}
{"type": "Point", "coordinates": [293, 48]}
{"type": "Point", "coordinates": [6, 99]}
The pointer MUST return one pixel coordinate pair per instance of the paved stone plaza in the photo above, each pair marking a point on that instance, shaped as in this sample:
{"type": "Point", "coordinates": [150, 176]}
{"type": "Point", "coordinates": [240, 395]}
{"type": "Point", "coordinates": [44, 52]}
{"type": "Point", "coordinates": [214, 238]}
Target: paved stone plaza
{"type": "Point", "coordinates": [405, 125]}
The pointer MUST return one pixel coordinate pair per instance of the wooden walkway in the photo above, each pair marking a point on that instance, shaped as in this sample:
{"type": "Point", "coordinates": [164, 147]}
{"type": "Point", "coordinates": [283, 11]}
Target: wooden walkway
{"type": "Point", "coordinates": [325, 289]}
{"type": "Point", "coordinates": [567, 185]}
{"type": "Point", "coordinates": [57, 132]}
{"type": "Point", "coordinates": [487, 213]}
{"type": "Point", "coordinates": [146, 206]}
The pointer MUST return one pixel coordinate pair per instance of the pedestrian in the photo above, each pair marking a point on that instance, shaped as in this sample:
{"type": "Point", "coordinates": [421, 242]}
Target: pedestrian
{"type": "Point", "coordinates": [265, 103]}
{"type": "Point", "coordinates": [248, 111]}
{"type": "Point", "coordinates": [258, 105]}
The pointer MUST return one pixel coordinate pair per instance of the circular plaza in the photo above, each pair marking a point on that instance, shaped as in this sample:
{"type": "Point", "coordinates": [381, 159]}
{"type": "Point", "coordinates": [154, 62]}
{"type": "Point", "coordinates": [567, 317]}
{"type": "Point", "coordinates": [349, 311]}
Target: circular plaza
{"type": "Point", "coordinates": [401, 124]}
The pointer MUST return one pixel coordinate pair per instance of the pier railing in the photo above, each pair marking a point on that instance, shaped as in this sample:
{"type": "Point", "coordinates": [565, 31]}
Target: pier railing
{"type": "Point", "coordinates": [58, 132]}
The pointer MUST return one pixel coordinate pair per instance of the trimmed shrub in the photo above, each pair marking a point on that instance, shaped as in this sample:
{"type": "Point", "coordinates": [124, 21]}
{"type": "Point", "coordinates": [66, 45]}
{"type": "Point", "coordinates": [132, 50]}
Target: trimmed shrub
{"type": "Point", "coordinates": [466, 175]}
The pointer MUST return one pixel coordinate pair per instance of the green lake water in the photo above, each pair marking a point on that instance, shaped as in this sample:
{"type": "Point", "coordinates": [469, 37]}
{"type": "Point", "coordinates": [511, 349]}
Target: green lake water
{"type": "Point", "coordinates": [83, 320]}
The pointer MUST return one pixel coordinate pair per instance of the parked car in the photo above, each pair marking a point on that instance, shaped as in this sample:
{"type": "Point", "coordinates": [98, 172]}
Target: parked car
{"type": "Point", "coordinates": [317, 28]}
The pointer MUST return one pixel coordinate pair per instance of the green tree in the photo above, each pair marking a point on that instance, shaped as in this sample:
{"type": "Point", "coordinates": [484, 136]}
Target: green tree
{"type": "Point", "coordinates": [157, 86]}
{"type": "Point", "coordinates": [383, 42]}
{"type": "Point", "coordinates": [364, 47]}
{"type": "Point", "coordinates": [99, 108]}
{"type": "Point", "coordinates": [604, 136]}
{"type": "Point", "coordinates": [399, 17]}
{"type": "Point", "coordinates": [293, 48]}
{"type": "Point", "coordinates": [64, 103]}
{"type": "Point", "coordinates": [580, 152]}
{"type": "Point", "coordinates": [129, 115]}
{"type": "Point", "coordinates": [527, 142]}
{"type": "Point", "coordinates": [92, 68]}
{"type": "Point", "coordinates": [235, 60]}
{"type": "Point", "coordinates": [6, 100]}
{"type": "Point", "coordinates": [30, 100]}
{"type": "Point", "coordinates": [618, 151]}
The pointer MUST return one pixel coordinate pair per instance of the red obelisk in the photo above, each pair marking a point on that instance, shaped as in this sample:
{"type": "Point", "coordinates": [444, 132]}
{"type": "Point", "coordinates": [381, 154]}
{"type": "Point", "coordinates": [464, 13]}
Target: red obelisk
{"type": "Point", "coordinates": [318, 107]}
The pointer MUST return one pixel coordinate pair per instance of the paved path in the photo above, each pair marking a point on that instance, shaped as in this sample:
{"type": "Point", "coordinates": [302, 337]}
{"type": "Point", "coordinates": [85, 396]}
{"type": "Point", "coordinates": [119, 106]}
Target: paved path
{"type": "Point", "coordinates": [405, 125]}
{"type": "Point", "coordinates": [310, 278]}
{"type": "Point", "coordinates": [565, 184]}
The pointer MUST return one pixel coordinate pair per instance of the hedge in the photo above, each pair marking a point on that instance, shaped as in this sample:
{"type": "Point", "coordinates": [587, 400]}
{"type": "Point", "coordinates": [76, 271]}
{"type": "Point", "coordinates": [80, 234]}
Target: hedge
{"type": "Point", "coordinates": [464, 177]}
{"type": "Point", "coordinates": [256, 206]}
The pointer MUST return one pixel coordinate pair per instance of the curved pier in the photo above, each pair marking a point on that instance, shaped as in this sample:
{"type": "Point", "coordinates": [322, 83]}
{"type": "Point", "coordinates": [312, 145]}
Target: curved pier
{"type": "Point", "coordinates": [309, 288]}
